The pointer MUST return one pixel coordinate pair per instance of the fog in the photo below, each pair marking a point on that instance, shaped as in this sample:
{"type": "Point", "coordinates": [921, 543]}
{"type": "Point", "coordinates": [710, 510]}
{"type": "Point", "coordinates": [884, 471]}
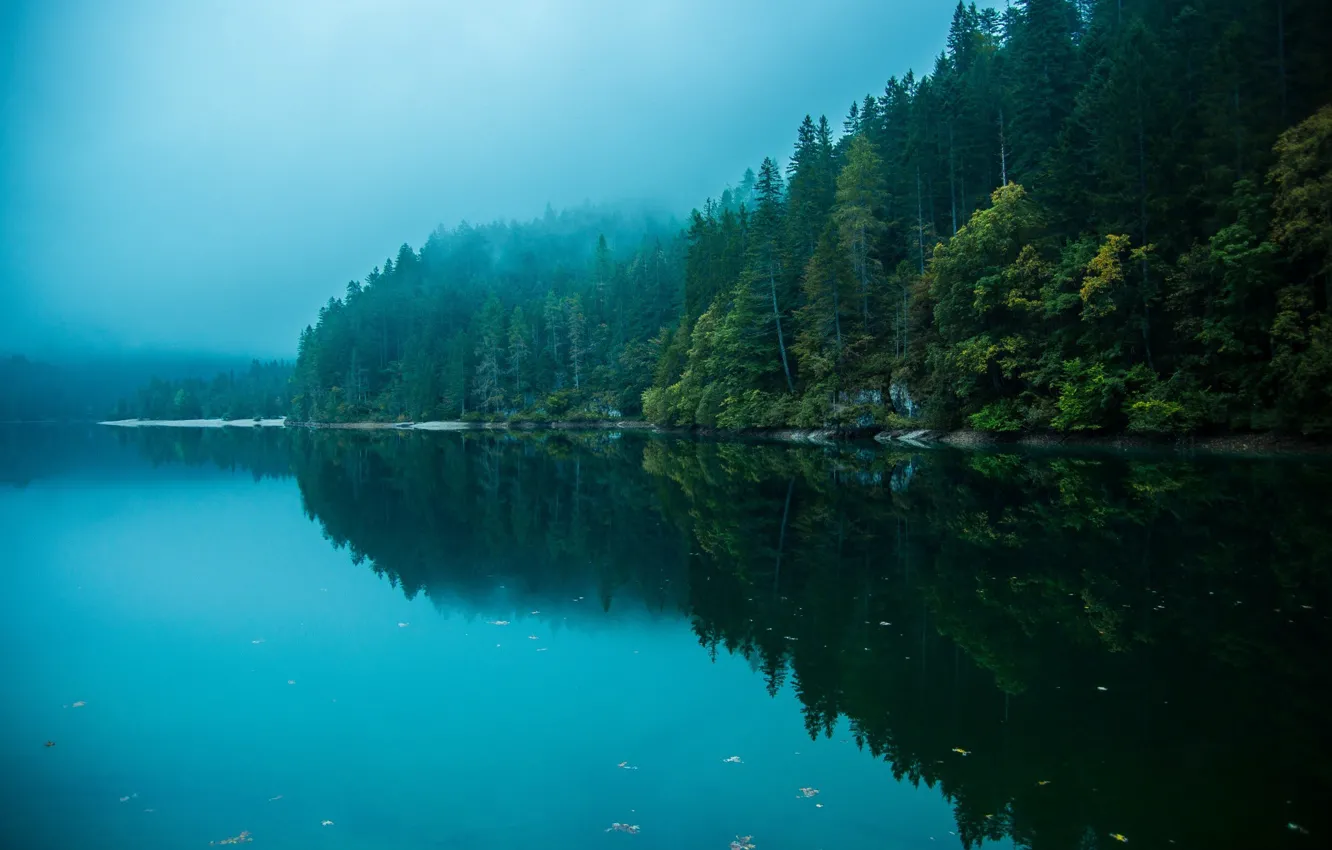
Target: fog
{"type": "Point", "coordinates": [202, 176]}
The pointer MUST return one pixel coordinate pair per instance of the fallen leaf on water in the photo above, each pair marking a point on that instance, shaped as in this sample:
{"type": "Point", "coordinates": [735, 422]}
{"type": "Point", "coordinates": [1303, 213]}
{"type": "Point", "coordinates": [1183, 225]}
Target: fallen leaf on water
{"type": "Point", "coordinates": [624, 765]}
{"type": "Point", "coordinates": [403, 625]}
{"type": "Point", "coordinates": [809, 792]}
{"type": "Point", "coordinates": [326, 823]}
{"type": "Point", "coordinates": [243, 838]}
{"type": "Point", "coordinates": [961, 751]}
{"type": "Point", "coordinates": [50, 743]}
{"type": "Point", "coordinates": [732, 760]}
{"type": "Point", "coordinates": [257, 642]}
{"type": "Point", "coordinates": [1043, 782]}
{"type": "Point", "coordinates": [632, 829]}
{"type": "Point", "coordinates": [79, 704]}
{"type": "Point", "coordinates": [1116, 836]}
{"type": "Point", "coordinates": [1295, 827]}
{"type": "Point", "coordinates": [743, 842]}
{"type": "Point", "coordinates": [1099, 688]}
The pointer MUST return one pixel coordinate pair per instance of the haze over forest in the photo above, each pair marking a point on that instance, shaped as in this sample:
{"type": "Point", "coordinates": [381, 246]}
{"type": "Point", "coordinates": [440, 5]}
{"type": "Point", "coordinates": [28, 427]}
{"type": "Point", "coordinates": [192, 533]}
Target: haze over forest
{"type": "Point", "coordinates": [200, 177]}
{"type": "Point", "coordinates": [1084, 216]}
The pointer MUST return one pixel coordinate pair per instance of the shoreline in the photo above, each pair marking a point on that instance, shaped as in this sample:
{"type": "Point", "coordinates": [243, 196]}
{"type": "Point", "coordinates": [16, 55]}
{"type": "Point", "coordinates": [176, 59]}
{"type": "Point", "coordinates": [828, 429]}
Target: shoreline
{"type": "Point", "coordinates": [1266, 443]}
{"type": "Point", "coordinates": [196, 423]}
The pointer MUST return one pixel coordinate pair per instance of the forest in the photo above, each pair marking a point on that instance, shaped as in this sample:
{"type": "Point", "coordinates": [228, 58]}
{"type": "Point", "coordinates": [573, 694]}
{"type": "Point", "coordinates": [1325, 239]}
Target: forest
{"type": "Point", "coordinates": [262, 391]}
{"type": "Point", "coordinates": [1089, 215]}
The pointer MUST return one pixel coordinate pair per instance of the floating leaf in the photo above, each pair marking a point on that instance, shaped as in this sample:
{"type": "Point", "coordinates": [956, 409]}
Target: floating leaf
{"type": "Point", "coordinates": [961, 751]}
{"type": "Point", "coordinates": [243, 838]}
{"type": "Point", "coordinates": [732, 760]}
{"type": "Point", "coordinates": [326, 823]}
{"type": "Point", "coordinates": [1116, 836]}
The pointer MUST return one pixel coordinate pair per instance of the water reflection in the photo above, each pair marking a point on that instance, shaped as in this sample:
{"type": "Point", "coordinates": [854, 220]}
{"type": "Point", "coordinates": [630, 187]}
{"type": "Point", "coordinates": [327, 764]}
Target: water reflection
{"type": "Point", "coordinates": [1069, 648]}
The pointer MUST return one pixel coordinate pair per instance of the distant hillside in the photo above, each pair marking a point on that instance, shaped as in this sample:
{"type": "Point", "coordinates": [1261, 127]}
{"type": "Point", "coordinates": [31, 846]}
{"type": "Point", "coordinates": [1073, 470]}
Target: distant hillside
{"type": "Point", "coordinates": [83, 390]}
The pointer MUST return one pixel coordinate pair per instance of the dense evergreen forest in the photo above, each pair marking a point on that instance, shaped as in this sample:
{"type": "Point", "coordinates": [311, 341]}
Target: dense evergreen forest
{"type": "Point", "coordinates": [1090, 214]}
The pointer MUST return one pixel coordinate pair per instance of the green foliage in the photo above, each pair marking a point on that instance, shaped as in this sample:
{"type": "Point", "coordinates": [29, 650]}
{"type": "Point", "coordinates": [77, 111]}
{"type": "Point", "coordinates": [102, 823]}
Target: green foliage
{"type": "Point", "coordinates": [1087, 397]}
{"type": "Point", "coordinates": [1006, 414]}
{"type": "Point", "coordinates": [261, 392]}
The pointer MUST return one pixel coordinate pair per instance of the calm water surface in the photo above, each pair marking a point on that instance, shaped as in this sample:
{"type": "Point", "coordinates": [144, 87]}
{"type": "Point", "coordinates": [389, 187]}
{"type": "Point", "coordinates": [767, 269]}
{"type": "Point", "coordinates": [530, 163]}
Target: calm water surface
{"type": "Point", "coordinates": [478, 641]}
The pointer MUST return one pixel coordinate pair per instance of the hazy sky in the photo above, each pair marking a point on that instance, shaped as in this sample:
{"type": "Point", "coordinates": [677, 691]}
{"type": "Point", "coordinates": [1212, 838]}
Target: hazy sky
{"type": "Point", "coordinates": [203, 174]}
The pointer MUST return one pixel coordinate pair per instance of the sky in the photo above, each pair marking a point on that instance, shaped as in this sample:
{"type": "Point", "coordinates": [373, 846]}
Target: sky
{"type": "Point", "coordinates": [202, 176]}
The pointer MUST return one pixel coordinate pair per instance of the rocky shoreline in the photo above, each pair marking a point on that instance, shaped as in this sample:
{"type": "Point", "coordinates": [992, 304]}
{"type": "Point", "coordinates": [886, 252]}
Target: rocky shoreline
{"type": "Point", "coordinates": [1257, 443]}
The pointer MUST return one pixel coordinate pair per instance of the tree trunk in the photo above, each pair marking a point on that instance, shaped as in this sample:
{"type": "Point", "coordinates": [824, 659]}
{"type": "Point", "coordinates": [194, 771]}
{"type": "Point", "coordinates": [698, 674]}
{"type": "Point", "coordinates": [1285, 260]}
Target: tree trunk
{"type": "Point", "coordinates": [952, 178]}
{"type": "Point", "coordinates": [837, 317]}
{"type": "Point", "coordinates": [864, 279]}
{"type": "Point", "coordinates": [1281, 55]}
{"type": "Point", "coordinates": [781, 340]}
{"type": "Point", "coordinates": [1142, 221]}
{"type": "Point", "coordinates": [920, 222]}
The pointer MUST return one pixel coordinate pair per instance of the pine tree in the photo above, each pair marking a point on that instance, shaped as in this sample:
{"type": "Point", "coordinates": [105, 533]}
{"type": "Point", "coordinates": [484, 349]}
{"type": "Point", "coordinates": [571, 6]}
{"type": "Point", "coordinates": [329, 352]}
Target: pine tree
{"type": "Point", "coordinates": [576, 324]}
{"type": "Point", "coordinates": [767, 260]}
{"type": "Point", "coordinates": [860, 197]}
{"type": "Point", "coordinates": [518, 350]}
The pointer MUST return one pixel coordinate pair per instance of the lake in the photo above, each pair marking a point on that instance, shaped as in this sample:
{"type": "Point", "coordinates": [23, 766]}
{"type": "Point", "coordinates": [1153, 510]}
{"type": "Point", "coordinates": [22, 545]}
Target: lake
{"type": "Point", "coordinates": [333, 640]}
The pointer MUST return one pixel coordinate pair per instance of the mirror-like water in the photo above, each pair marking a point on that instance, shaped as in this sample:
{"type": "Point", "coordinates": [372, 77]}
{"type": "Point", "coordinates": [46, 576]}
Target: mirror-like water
{"type": "Point", "coordinates": [469, 640]}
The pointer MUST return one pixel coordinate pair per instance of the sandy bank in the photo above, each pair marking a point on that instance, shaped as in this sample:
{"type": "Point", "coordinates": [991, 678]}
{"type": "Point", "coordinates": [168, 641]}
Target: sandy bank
{"type": "Point", "coordinates": [196, 423]}
{"type": "Point", "coordinates": [457, 425]}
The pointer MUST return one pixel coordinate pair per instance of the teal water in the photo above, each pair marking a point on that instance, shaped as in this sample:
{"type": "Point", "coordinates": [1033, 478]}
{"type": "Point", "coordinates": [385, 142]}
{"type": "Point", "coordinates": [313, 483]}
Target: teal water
{"type": "Point", "coordinates": [273, 629]}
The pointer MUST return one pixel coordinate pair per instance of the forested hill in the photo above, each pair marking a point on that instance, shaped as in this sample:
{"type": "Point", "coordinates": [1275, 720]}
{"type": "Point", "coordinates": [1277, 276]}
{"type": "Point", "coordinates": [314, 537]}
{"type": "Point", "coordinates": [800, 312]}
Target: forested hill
{"type": "Point", "coordinates": [1090, 214]}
